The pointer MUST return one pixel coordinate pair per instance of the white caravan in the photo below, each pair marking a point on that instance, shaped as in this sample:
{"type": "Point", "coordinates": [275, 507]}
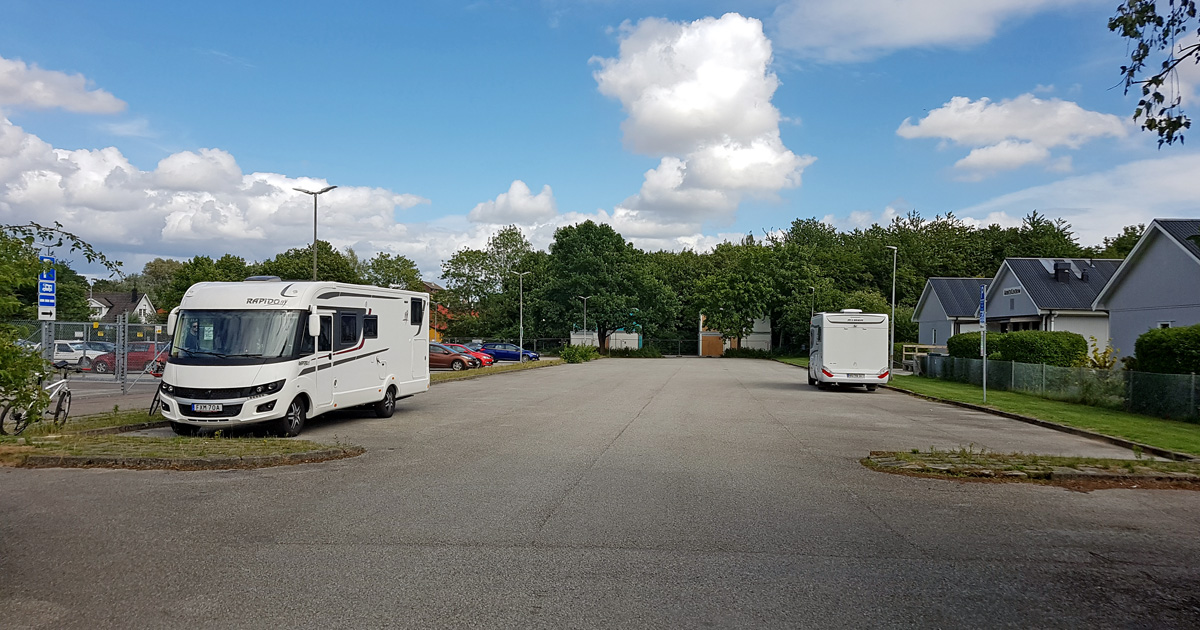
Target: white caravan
{"type": "Point", "coordinates": [279, 352]}
{"type": "Point", "coordinates": [849, 347]}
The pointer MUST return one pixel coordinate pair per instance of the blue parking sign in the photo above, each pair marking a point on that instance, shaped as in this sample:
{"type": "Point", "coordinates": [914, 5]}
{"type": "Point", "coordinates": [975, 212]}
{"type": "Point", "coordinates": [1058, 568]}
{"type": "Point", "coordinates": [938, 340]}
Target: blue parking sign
{"type": "Point", "coordinates": [49, 273]}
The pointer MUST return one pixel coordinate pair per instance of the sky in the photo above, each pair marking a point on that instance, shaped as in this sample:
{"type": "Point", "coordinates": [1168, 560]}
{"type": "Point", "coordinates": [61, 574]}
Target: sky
{"type": "Point", "coordinates": [171, 129]}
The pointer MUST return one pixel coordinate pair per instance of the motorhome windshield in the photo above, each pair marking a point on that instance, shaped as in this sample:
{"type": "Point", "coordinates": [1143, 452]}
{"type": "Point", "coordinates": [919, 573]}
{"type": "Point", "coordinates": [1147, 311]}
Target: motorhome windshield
{"type": "Point", "coordinates": [256, 336]}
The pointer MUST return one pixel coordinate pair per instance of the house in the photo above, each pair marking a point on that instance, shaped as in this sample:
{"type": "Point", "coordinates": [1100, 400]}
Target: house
{"type": "Point", "coordinates": [948, 306]}
{"type": "Point", "coordinates": [617, 339]}
{"type": "Point", "coordinates": [1157, 286]}
{"type": "Point", "coordinates": [713, 345]}
{"type": "Point", "coordinates": [1050, 294]}
{"type": "Point", "coordinates": [105, 307]}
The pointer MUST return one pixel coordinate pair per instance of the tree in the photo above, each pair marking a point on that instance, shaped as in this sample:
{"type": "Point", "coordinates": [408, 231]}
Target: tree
{"type": "Point", "coordinates": [739, 289]}
{"type": "Point", "coordinates": [228, 268]}
{"type": "Point", "coordinates": [385, 270]}
{"type": "Point", "coordinates": [1150, 32]}
{"type": "Point", "coordinates": [1120, 245]}
{"type": "Point", "coordinates": [296, 264]}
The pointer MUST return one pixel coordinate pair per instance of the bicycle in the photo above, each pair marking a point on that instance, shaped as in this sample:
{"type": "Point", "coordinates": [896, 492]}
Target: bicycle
{"type": "Point", "coordinates": [13, 421]}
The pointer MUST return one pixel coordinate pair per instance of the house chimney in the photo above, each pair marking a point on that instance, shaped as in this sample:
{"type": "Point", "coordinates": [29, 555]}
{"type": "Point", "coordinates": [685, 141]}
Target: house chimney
{"type": "Point", "coordinates": [1084, 274]}
{"type": "Point", "coordinates": [1062, 272]}
{"type": "Point", "coordinates": [133, 295]}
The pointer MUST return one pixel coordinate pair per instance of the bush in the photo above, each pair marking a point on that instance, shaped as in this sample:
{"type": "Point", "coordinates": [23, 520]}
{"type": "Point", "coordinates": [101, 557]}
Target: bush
{"type": "Point", "coordinates": [747, 353]}
{"type": "Point", "coordinates": [578, 354]}
{"type": "Point", "coordinates": [965, 345]}
{"type": "Point", "coordinates": [648, 352]}
{"type": "Point", "coordinates": [1060, 348]}
{"type": "Point", "coordinates": [1169, 350]}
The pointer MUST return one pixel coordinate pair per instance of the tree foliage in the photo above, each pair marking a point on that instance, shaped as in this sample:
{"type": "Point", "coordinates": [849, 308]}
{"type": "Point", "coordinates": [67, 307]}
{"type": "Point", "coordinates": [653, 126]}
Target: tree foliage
{"type": "Point", "coordinates": [1167, 30]}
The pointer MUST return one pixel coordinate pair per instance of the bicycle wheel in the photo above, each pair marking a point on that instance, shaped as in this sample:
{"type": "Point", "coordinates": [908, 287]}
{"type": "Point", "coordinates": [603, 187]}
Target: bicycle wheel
{"type": "Point", "coordinates": [13, 421]}
{"type": "Point", "coordinates": [155, 404]}
{"type": "Point", "coordinates": [63, 409]}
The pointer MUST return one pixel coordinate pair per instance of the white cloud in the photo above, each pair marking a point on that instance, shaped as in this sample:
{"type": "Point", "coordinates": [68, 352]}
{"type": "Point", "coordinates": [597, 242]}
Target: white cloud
{"type": "Point", "coordinates": [864, 30]}
{"type": "Point", "coordinates": [518, 205]}
{"type": "Point", "coordinates": [136, 128]}
{"type": "Point", "coordinates": [192, 203]}
{"type": "Point", "coordinates": [1012, 133]}
{"type": "Point", "coordinates": [698, 96]}
{"type": "Point", "coordinates": [1099, 204]}
{"type": "Point", "coordinates": [26, 85]}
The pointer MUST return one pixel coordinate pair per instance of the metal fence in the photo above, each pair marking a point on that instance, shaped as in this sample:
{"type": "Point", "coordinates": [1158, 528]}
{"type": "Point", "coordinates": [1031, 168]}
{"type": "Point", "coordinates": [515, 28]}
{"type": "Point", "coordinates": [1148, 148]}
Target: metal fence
{"type": "Point", "coordinates": [1172, 396]}
{"type": "Point", "coordinates": [109, 350]}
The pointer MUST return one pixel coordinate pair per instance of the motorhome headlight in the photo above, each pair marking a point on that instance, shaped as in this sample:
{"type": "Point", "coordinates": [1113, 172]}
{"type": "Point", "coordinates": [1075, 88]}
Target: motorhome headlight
{"type": "Point", "coordinates": [166, 387]}
{"type": "Point", "coordinates": [264, 389]}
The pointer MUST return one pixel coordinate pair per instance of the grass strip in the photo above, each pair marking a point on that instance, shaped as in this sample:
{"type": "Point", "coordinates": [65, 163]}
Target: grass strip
{"type": "Point", "coordinates": [440, 377]}
{"type": "Point", "coordinates": [88, 423]}
{"type": "Point", "coordinates": [797, 361]}
{"type": "Point", "coordinates": [1172, 435]}
{"type": "Point", "coordinates": [14, 450]}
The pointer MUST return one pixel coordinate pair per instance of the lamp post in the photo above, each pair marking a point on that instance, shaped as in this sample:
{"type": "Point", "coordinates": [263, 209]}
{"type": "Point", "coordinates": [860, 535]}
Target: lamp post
{"type": "Point", "coordinates": [585, 299]}
{"type": "Point", "coordinates": [812, 306]}
{"type": "Point", "coordinates": [521, 334]}
{"type": "Point", "coordinates": [892, 336]}
{"type": "Point", "coordinates": [314, 196]}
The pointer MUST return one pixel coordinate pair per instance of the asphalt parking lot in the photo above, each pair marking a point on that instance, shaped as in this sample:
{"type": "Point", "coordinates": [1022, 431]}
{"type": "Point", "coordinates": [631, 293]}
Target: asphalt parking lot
{"type": "Point", "coordinates": [617, 493]}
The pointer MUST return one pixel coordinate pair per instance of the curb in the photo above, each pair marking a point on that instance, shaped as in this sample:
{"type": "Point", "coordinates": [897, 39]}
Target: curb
{"type": "Point", "coordinates": [884, 461]}
{"type": "Point", "coordinates": [188, 463]}
{"type": "Point", "coordinates": [467, 376]}
{"type": "Point", "coordinates": [1116, 441]}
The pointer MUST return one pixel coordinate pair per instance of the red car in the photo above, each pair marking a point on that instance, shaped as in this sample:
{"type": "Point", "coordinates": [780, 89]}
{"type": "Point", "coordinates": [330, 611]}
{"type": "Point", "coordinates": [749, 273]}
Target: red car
{"type": "Point", "coordinates": [484, 359]}
{"type": "Point", "coordinates": [142, 354]}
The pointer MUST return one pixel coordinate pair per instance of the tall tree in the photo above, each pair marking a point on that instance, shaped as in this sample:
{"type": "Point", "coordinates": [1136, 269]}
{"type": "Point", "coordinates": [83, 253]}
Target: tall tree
{"type": "Point", "coordinates": [228, 268]}
{"type": "Point", "coordinates": [296, 264]}
{"type": "Point", "coordinates": [385, 270]}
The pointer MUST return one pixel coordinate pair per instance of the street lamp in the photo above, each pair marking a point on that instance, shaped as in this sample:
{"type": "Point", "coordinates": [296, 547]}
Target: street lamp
{"type": "Point", "coordinates": [521, 334]}
{"type": "Point", "coordinates": [812, 306]}
{"type": "Point", "coordinates": [314, 196]}
{"type": "Point", "coordinates": [585, 330]}
{"type": "Point", "coordinates": [892, 337]}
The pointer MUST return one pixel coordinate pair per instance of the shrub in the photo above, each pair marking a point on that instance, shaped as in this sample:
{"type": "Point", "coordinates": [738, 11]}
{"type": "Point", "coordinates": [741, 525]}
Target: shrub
{"type": "Point", "coordinates": [1059, 348]}
{"type": "Point", "coordinates": [1169, 350]}
{"type": "Point", "coordinates": [578, 354]}
{"type": "Point", "coordinates": [747, 353]}
{"type": "Point", "coordinates": [648, 352]}
{"type": "Point", "coordinates": [965, 345]}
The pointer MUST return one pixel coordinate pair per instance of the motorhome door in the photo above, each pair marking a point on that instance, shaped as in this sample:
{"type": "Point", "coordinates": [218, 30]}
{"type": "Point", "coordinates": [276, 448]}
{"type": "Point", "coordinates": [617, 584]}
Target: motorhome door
{"type": "Point", "coordinates": [323, 361]}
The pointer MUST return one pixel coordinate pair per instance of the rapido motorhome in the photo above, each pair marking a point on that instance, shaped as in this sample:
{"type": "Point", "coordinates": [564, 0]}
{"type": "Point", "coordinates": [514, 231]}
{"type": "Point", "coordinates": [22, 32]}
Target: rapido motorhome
{"type": "Point", "coordinates": [848, 348]}
{"type": "Point", "coordinates": [269, 351]}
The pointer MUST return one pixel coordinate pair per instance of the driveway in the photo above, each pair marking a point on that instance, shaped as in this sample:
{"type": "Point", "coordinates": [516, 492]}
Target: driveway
{"type": "Point", "coordinates": [617, 493]}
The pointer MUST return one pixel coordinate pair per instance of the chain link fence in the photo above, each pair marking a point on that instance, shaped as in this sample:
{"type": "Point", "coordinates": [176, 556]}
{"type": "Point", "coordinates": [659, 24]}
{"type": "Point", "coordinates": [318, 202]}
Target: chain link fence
{"type": "Point", "coordinates": [1171, 396]}
{"type": "Point", "coordinates": [553, 345]}
{"type": "Point", "coordinates": [126, 351]}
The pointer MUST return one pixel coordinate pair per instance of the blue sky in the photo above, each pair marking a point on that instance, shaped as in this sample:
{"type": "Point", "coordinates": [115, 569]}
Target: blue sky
{"type": "Point", "coordinates": [174, 129]}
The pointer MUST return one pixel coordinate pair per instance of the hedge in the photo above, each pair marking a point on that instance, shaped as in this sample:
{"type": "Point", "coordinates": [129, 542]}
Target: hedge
{"type": "Point", "coordinates": [1060, 348]}
{"type": "Point", "coordinates": [1169, 350]}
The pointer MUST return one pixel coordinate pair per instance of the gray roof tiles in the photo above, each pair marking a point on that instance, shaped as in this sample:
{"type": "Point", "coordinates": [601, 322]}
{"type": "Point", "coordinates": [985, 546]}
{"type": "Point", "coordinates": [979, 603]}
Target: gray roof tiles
{"type": "Point", "coordinates": [1050, 294]}
{"type": "Point", "coordinates": [1180, 230]}
{"type": "Point", "coordinates": [959, 296]}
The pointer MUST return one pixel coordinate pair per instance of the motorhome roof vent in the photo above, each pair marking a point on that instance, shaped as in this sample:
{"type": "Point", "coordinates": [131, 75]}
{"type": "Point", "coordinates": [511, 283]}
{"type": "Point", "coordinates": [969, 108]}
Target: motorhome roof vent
{"type": "Point", "coordinates": [852, 310]}
{"type": "Point", "coordinates": [264, 279]}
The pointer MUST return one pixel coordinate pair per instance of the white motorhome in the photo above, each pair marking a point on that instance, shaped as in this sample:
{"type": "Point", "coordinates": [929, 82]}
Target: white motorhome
{"type": "Point", "coordinates": [849, 347]}
{"type": "Point", "coordinates": [279, 352]}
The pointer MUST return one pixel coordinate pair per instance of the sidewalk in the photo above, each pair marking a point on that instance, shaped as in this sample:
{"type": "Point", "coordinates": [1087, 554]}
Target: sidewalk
{"type": "Point", "coordinates": [91, 403]}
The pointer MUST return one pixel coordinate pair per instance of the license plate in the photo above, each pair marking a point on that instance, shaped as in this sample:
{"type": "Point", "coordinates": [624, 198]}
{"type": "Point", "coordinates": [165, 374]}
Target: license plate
{"type": "Point", "coordinates": [207, 407]}
{"type": "Point", "coordinates": [856, 375]}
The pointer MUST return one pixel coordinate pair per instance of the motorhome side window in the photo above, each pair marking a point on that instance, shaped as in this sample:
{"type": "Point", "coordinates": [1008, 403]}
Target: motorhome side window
{"type": "Point", "coordinates": [418, 312]}
{"type": "Point", "coordinates": [371, 326]}
{"type": "Point", "coordinates": [349, 330]}
{"type": "Point", "coordinates": [325, 339]}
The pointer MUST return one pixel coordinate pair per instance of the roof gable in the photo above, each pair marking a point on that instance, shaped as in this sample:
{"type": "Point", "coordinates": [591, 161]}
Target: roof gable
{"type": "Point", "coordinates": [959, 296]}
{"type": "Point", "coordinates": [1179, 231]}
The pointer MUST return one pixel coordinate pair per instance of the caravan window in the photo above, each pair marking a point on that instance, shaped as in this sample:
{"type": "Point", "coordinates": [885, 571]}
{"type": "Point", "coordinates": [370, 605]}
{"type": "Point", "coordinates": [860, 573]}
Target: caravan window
{"type": "Point", "coordinates": [235, 336]}
{"type": "Point", "coordinates": [325, 339]}
{"type": "Point", "coordinates": [418, 312]}
{"type": "Point", "coordinates": [349, 330]}
{"type": "Point", "coordinates": [371, 326]}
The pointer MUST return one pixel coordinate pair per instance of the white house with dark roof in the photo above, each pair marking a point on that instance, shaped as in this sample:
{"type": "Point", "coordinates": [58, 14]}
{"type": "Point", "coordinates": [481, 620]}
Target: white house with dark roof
{"type": "Point", "coordinates": [106, 306]}
{"type": "Point", "coordinates": [948, 306]}
{"type": "Point", "coordinates": [1157, 286]}
{"type": "Point", "coordinates": [1050, 294]}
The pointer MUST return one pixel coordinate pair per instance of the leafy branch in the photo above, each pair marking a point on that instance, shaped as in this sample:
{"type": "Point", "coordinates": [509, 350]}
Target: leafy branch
{"type": "Point", "coordinates": [1139, 22]}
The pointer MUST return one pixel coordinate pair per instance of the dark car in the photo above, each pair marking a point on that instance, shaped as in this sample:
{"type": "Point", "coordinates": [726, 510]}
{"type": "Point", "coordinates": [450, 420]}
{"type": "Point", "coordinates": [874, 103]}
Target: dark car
{"type": "Point", "coordinates": [442, 357]}
{"type": "Point", "coordinates": [508, 352]}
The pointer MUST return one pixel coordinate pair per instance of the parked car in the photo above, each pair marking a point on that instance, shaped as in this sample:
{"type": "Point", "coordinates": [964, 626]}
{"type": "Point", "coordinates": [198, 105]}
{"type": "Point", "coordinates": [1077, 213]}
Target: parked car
{"type": "Point", "coordinates": [508, 352]}
{"type": "Point", "coordinates": [442, 357]}
{"type": "Point", "coordinates": [142, 354]}
{"type": "Point", "coordinates": [80, 353]}
{"type": "Point", "coordinates": [485, 359]}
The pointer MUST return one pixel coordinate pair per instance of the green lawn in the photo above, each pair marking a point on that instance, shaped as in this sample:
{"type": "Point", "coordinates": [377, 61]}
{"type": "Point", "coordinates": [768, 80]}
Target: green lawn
{"type": "Point", "coordinates": [1169, 434]}
{"type": "Point", "coordinates": [800, 361]}
{"type": "Point", "coordinates": [14, 449]}
{"type": "Point", "coordinates": [439, 377]}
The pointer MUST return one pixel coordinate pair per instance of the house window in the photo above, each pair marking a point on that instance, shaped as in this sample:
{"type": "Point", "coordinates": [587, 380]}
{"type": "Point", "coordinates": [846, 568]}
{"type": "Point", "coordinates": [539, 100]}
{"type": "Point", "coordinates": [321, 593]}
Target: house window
{"type": "Point", "coordinates": [934, 342]}
{"type": "Point", "coordinates": [1164, 324]}
{"type": "Point", "coordinates": [1012, 304]}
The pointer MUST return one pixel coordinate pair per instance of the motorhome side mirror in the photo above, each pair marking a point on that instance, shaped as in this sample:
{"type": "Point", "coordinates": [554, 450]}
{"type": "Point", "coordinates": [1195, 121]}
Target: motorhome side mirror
{"type": "Point", "coordinates": [172, 318]}
{"type": "Point", "coordinates": [314, 325]}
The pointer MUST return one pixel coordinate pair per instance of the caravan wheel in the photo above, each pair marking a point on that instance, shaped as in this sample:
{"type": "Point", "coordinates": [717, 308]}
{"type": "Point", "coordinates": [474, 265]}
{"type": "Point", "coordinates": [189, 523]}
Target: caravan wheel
{"type": "Point", "coordinates": [292, 423]}
{"type": "Point", "coordinates": [386, 407]}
